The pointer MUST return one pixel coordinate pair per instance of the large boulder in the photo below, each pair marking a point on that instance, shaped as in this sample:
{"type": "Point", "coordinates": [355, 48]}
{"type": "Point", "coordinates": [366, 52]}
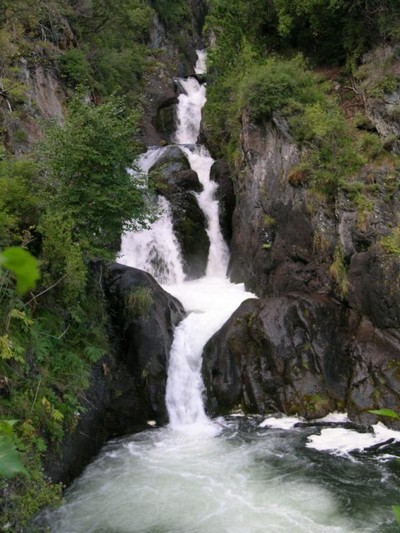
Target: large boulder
{"type": "Point", "coordinates": [171, 173]}
{"type": "Point", "coordinates": [127, 386]}
{"type": "Point", "coordinates": [172, 177]}
{"type": "Point", "coordinates": [277, 355]}
{"type": "Point", "coordinates": [144, 318]}
{"type": "Point", "coordinates": [300, 354]}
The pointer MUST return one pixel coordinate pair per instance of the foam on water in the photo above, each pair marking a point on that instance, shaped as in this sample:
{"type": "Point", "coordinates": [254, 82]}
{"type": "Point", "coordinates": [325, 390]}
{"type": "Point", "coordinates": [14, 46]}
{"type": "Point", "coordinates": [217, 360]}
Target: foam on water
{"type": "Point", "coordinates": [167, 481]}
{"type": "Point", "coordinates": [284, 422]}
{"type": "Point", "coordinates": [344, 441]}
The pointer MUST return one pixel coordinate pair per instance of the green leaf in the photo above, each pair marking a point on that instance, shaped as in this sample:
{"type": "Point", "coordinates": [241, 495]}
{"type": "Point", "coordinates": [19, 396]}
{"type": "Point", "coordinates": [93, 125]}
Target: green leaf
{"type": "Point", "coordinates": [385, 412]}
{"type": "Point", "coordinates": [396, 512]}
{"type": "Point", "coordinates": [23, 265]}
{"type": "Point", "coordinates": [6, 427]}
{"type": "Point", "coordinates": [10, 462]}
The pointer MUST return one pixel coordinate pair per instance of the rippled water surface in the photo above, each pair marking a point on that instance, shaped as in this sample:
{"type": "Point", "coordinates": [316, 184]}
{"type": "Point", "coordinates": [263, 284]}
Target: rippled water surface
{"type": "Point", "coordinates": [245, 479]}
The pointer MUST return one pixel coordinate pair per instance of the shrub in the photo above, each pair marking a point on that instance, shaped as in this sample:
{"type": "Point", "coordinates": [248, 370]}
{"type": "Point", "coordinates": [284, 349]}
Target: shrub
{"type": "Point", "coordinates": [74, 66]}
{"type": "Point", "coordinates": [85, 161]}
{"type": "Point", "coordinates": [277, 84]}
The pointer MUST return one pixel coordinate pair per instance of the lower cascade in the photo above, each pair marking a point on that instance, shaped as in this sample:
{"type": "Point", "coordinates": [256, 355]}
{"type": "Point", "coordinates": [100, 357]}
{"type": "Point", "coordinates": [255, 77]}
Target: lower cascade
{"type": "Point", "coordinates": [238, 474]}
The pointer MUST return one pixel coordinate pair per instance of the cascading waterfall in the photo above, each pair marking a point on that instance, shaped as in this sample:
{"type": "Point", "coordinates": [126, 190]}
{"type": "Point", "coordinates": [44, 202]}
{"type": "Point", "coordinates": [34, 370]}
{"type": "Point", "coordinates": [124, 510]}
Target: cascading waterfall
{"type": "Point", "coordinates": [155, 249]}
{"type": "Point", "coordinates": [233, 475]}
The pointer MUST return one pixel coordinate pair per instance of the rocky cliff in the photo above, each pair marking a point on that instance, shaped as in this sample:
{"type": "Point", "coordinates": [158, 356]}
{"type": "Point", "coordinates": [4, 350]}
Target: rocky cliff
{"type": "Point", "coordinates": [324, 334]}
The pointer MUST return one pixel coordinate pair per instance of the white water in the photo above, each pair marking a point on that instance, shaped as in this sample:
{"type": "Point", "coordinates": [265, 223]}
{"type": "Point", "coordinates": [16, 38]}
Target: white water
{"type": "Point", "coordinates": [342, 441]}
{"type": "Point", "coordinates": [156, 249]}
{"type": "Point", "coordinates": [234, 475]}
{"type": "Point", "coordinates": [191, 101]}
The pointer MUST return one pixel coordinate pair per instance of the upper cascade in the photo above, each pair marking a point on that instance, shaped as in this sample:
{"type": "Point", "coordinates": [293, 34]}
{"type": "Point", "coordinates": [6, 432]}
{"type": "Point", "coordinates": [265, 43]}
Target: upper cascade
{"type": "Point", "coordinates": [191, 103]}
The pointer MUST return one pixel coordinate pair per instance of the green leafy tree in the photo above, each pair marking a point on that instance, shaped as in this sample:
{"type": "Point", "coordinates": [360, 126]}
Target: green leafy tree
{"type": "Point", "coordinates": [10, 461]}
{"type": "Point", "coordinates": [23, 265]}
{"type": "Point", "coordinates": [85, 163]}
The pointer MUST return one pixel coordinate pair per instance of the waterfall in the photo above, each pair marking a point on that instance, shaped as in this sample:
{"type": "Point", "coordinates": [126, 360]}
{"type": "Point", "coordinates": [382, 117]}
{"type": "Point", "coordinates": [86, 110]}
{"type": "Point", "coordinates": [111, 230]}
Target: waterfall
{"type": "Point", "coordinates": [210, 300]}
{"type": "Point", "coordinates": [252, 477]}
{"type": "Point", "coordinates": [155, 249]}
{"type": "Point", "coordinates": [201, 161]}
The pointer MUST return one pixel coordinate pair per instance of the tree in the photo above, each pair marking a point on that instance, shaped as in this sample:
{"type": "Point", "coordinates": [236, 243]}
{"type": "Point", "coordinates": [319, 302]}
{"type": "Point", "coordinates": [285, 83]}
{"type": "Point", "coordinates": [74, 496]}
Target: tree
{"type": "Point", "coordinates": [85, 163]}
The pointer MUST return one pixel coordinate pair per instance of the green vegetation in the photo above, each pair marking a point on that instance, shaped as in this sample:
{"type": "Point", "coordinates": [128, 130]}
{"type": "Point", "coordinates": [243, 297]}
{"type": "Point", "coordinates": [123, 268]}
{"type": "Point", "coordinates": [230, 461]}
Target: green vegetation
{"type": "Point", "coordinates": [139, 301]}
{"type": "Point", "coordinates": [391, 243]}
{"type": "Point", "coordinates": [74, 206]}
{"type": "Point", "coordinates": [63, 202]}
{"type": "Point", "coordinates": [24, 267]}
{"type": "Point", "coordinates": [84, 162]}
{"type": "Point", "coordinates": [258, 72]}
{"type": "Point", "coordinates": [175, 14]}
{"type": "Point", "coordinates": [338, 271]}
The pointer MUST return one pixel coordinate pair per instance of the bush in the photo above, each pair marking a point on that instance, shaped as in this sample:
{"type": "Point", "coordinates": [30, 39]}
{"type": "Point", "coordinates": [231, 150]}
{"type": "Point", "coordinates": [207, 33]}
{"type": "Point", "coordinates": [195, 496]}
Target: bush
{"type": "Point", "coordinates": [85, 161]}
{"type": "Point", "coordinates": [275, 85]}
{"type": "Point", "coordinates": [74, 67]}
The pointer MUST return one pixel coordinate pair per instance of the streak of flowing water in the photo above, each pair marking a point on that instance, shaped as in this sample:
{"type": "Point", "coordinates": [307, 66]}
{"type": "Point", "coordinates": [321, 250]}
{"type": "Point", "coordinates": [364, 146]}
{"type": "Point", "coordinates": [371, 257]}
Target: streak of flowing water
{"type": "Point", "coordinates": [233, 475]}
{"type": "Point", "coordinates": [201, 162]}
{"type": "Point", "coordinates": [191, 101]}
{"type": "Point", "coordinates": [155, 249]}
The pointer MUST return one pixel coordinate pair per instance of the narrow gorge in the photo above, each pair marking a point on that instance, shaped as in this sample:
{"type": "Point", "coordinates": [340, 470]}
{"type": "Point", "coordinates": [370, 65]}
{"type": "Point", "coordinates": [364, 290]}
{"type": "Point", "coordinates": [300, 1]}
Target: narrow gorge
{"type": "Point", "coordinates": [210, 193]}
{"type": "Point", "coordinates": [233, 473]}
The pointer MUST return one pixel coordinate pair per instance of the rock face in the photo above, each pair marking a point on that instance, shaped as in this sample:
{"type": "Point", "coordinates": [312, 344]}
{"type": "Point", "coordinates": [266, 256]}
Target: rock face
{"type": "Point", "coordinates": [221, 174]}
{"type": "Point", "coordinates": [324, 334]}
{"type": "Point", "coordinates": [300, 354]}
{"type": "Point", "coordinates": [285, 239]}
{"type": "Point", "coordinates": [144, 316]}
{"type": "Point", "coordinates": [172, 177]}
{"type": "Point", "coordinates": [272, 233]}
{"type": "Point", "coordinates": [127, 387]}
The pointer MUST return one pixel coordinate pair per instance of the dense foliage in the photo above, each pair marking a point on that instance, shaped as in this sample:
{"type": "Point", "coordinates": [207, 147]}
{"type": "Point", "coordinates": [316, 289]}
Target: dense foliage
{"type": "Point", "coordinates": [258, 69]}
{"type": "Point", "coordinates": [66, 201]}
{"type": "Point", "coordinates": [73, 200]}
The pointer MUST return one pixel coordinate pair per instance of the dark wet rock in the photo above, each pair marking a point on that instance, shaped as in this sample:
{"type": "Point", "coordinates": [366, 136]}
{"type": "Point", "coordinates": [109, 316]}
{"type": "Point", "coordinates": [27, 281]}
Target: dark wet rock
{"type": "Point", "coordinates": [189, 225]}
{"type": "Point", "coordinates": [172, 159]}
{"type": "Point", "coordinates": [144, 316]}
{"type": "Point", "coordinates": [300, 354]}
{"type": "Point", "coordinates": [165, 119]}
{"type": "Point", "coordinates": [277, 355]}
{"type": "Point", "coordinates": [187, 180]}
{"type": "Point", "coordinates": [127, 387]}
{"type": "Point", "coordinates": [80, 445]}
{"type": "Point", "coordinates": [222, 175]}
{"type": "Point", "coordinates": [172, 177]}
